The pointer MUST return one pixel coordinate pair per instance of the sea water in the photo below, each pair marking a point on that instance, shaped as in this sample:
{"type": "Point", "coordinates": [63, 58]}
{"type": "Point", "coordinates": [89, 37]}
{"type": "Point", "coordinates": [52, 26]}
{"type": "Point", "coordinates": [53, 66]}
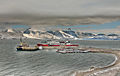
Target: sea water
{"type": "Point", "coordinates": [48, 62]}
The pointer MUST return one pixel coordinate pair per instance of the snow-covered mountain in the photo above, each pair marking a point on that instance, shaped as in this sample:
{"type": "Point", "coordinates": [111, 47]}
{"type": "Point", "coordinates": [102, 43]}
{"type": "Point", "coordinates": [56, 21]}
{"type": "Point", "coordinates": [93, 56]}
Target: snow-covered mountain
{"type": "Point", "coordinates": [36, 34]}
{"type": "Point", "coordinates": [29, 33]}
{"type": "Point", "coordinates": [10, 33]}
{"type": "Point", "coordinates": [59, 34]}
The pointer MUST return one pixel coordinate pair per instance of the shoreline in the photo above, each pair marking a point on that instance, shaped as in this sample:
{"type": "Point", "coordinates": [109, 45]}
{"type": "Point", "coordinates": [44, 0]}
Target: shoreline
{"type": "Point", "coordinates": [110, 70]}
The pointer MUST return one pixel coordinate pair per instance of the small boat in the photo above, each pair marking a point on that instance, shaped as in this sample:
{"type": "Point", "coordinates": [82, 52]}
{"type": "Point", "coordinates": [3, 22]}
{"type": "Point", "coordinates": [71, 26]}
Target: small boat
{"type": "Point", "coordinates": [71, 50]}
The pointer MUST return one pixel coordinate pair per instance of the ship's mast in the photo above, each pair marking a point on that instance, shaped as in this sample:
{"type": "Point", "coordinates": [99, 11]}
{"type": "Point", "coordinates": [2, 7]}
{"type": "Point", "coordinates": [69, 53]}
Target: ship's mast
{"type": "Point", "coordinates": [20, 39]}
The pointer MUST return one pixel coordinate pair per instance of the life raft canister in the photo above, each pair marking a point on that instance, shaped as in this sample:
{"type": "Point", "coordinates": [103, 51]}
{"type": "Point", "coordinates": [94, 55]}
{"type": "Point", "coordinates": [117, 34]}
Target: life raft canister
{"type": "Point", "coordinates": [40, 47]}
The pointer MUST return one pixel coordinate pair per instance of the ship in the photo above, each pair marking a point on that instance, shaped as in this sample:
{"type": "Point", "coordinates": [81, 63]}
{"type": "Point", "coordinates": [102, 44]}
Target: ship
{"type": "Point", "coordinates": [25, 47]}
{"type": "Point", "coordinates": [56, 44]}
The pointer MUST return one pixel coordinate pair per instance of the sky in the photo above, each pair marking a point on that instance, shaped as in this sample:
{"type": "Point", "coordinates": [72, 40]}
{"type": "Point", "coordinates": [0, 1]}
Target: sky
{"type": "Point", "coordinates": [110, 27]}
{"type": "Point", "coordinates": [74, 8]}
{"type": "Point", "coordinates": [60, 7]}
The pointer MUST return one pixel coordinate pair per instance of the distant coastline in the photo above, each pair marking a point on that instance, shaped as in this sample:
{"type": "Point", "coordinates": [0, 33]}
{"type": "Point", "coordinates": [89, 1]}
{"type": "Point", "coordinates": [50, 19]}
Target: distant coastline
{"type": "Point", "coordinates": [58, 34]}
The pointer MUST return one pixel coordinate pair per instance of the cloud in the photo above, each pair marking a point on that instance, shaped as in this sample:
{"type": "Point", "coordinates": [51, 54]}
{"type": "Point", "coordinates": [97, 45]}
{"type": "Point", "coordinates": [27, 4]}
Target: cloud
{"type": "Point", "coordinates": [60, 7]}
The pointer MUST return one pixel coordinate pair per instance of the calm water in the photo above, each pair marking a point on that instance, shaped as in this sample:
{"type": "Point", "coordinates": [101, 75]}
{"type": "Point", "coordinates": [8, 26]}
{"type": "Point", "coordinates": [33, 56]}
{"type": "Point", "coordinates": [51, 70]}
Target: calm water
{"type": "Point", "coordinates": [109, 44]}
{"type": "Point", "coordinates": [48, 62]}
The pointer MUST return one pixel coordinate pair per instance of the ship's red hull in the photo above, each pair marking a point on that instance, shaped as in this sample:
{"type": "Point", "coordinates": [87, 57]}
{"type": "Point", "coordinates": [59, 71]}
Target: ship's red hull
{"type": "Point", "coordinates": [55, 45]}
{"type": "Point", "coordinates": [42, 45]}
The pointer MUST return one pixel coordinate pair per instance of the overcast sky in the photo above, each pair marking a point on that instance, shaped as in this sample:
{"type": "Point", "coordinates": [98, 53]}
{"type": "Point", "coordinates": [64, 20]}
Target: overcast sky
{"type": "Point", "coordinates": [60, 7]}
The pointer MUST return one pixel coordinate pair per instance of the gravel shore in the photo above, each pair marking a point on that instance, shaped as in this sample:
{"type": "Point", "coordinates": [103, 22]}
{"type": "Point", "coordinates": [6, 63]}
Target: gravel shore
{"type": "Point", "coordinates": [111, 70]}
